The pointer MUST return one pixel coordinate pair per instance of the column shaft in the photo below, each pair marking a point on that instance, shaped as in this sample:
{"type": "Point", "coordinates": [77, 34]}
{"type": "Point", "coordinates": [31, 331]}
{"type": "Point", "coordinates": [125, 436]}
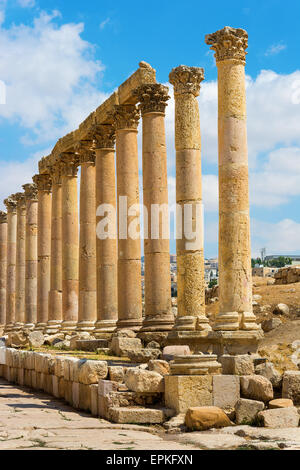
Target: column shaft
{"type": "Point", "coordinates": [129, 244]}
{"type": "Point", "coordinates": [3, 268]}
{"type": "Point", "coordinates": [11, 205]}
{"type": "Point", "coordinates": [31, 256]}
{"type": "Point", "coordinates": [70, 243]}
{"type": "Point", "coordinates": [158, 312]}
{"type": "Point", "coordinates": [107, 260]}
{"type": "Point", "coordinates": [87, 315]}
{"type": "Point", "coordinates": [20, 261]}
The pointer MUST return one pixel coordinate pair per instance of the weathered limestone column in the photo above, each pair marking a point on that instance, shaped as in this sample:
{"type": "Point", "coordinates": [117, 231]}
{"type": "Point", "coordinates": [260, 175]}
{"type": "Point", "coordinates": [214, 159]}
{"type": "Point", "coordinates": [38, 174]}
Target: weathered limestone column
{"type": "Point", "coordinates": [234, 226]}
{"type": "Point", "coordinates": [70, 242]}
{"type": "Point", "coordinates": [190, 256]}
{"type": "Point", "coordinates": [153, 101]}
{"type": "Point", "coordinates": [21, 261]}
{"type": "Point", "coordinates": [55, 293]}
{"type": "Point", "coordinates": [87, 314]}
{"type": "Point", "coordinates": [3, 268]}
{"type": "Point", "coordinates": [107, 258]}
{"type": "Point", "coordinates": [11, 206]}
{"type": "Point", "coordinates": [44, 185]}
{"type": "Point", "coordinates": [126, 119]}
{"type": "Point", "coordinates": [31, 194]}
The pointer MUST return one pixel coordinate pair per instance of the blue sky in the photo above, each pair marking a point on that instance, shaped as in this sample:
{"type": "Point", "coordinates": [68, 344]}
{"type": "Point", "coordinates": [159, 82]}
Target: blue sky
{"type": "Point", "coordinates": [59, 60]}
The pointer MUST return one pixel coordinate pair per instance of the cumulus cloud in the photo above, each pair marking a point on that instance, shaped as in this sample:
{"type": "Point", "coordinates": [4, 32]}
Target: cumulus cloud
{"type": "Point", "coordinates": [280, 237]}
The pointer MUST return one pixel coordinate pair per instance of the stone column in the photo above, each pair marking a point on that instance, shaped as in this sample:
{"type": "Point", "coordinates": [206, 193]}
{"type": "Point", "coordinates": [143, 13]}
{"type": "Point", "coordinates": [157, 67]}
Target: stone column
{"type": "Point", "coordinates": [153, 101]}
{"type": "Point", "coordinates": [235, 311]}
{"type": "Point", "coordinates": [190, 256]}
{"type": "Point", "coordinates": [87, 314]}
{"type": "Point", "coordinates": [44, 186]}
{"type": "Point", "coordinates": [11, 206]}
{"type": "Point", "coordinates": [3, 268]}
{"type": "Point", "coordinates": [31, 195]}
{"type": "Point", "coordinates": [55, 294]}
{"type": "Point", "coordinates": [70, 242]}
{"type": "Point", "coordinates": [107, 259]}
{"type": "Point", "coordinates": [126, 118]}
{"type": "Point", "coordinates": [21, 261]}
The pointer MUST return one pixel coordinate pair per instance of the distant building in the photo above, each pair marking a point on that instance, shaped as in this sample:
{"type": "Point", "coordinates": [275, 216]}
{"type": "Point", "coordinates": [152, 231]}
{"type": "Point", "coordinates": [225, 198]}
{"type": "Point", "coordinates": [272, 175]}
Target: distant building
{"type": "Point", "coordinates": [262, 271]}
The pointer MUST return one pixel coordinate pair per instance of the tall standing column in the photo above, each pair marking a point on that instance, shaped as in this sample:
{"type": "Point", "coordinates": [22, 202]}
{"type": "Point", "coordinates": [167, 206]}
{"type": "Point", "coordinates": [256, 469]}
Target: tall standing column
{"type": "Point", "coordinates": [107, 259]}
{"type": "Point", "coordinates": [11, 206]}
{"type": "Point", "coordinates": [3, 268]}
{"type": "Point", "coordinates": [126, 118]}
{"type": "Point", "coordinates": [55, 293]}
{"type": "Point", "coordinates": [31, 194]}
{"type": "Point", "coordinates": [87, 314]}
{"type": "Point", "coordinates": [235, 311]}
{"type": "Point", "coordinates": [44, 186]}
{"type": "Point", "coordinates": [190, 256]}
{"type": "Point", "coordinates": [153, 101]}
{"type": "Point", "coordinates": [21, 261]}
{"type": "Point", "coordinates": [70, 242]}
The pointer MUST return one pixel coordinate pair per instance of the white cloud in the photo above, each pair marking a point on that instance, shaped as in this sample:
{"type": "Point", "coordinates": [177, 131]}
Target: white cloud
{"type": "Point", "coordinates": [104, 23]}
{"type": "Point", "coordinates": [56, 84]}
{"type": "Point", "coordinates": [275, 49]}
{"type": "Point", "coordinates": [279, 238]}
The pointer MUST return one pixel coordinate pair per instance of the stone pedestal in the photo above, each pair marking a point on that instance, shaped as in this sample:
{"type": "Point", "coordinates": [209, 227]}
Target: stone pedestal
{"type": "Point", "coordinates": [31, 195]}
{"type": "Point", "coordinates": [44, 186]}
{"type": "Point", "coordinates": [235, 280]}
{"type": "Point", "coordinates": [3, 267]}
{"type": "Point", "coordinates": [55, 294]}
{"type": "Point", "coordinates": [11, 206]}
{"type": "Point", "coordinates": [185, 391]}
{"type": "Point", "coordinates": [126, 120]}
{"type": "Point", "coordinates": [195, 365]}
{"type": "Point", "coordinates": [107, 260]}
{"type": "Point", "coordinates": [190, 257]}
{"type": "Point", "coordinates": [70, 242]}
{"type": "Point", "coordinates": [87, 314]}
{"type": "Point", "coordinates": [153, 100]}
{"type": "Point", "coordinates": [21, 261]}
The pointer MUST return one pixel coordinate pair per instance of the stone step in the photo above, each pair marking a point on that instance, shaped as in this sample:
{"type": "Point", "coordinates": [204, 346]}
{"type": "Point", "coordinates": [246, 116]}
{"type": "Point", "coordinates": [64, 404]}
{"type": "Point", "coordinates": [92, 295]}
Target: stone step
{"type": "Point", "coordinates": [137, 415]}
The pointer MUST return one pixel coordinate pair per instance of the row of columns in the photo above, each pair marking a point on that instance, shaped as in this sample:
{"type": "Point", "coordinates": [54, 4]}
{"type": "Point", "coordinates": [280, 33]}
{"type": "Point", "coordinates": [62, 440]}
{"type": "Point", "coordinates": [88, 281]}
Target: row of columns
{"type": "Point", "coordinates": [57, 275]}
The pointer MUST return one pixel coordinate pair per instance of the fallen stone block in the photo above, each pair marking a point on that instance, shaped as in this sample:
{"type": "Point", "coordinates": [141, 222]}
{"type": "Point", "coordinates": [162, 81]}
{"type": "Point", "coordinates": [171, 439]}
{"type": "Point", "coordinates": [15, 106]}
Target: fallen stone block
{"type": "Point", "coordinates": [17, 339]}
{"type": "Point", "coordinates": [121, 346]}
{"type": "Point", "coordinates": [139, 380]}
{"type": "Point", "coordinates": [91, 345]}
{"type": "Point", "coordinates": [226, 391]}
{"type": "Point", "coordinates": [207, 417]}
{"type": "Point", "coordinates": [280, 403]}
{"type": "Point", "coordinates": [237, 365]}
{"type": "Point", "coordinates": [256, 387]}
{"type": "Point", "coordinates": [116, 374]}
{"type": "Point", "coordinates": [271, 324]}
{"type": "Point", "coordinates": [291, 386]}
{"type": "Point", "coordinates": [136, 415]}
{"type": "Point", "coordinates": [143, 356]}
{"type": "Point", "coordinates": [185, 391]}
{"type": "Point", "coordinates": [280, 418]}
{"type": "Point", "coordinates": [169, 352]}
{"type": "Point", "coordinates": [268, 370]}
{"type": "Point", "coordinates": [53, 339]}
{"type": "Point", "coordinates": [36, 339]}
{"type": "Point", "coordinates": [246, 410]}
{"type": "Point", "coordinates": [161, 367]}
{"type": "Point", "coordinates": [90, 372]}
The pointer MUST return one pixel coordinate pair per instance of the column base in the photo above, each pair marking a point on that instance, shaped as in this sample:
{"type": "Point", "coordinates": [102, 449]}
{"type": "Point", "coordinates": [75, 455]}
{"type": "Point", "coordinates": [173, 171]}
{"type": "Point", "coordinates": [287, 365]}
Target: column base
{"type": "Point", "coordinates": [192, 323]}
{"type": "Point", "coordinates": [53, 327]}
{"type": "Point", "coordinates": [227, 321]}
{"type": "Point", "coordinates": [196, 365]}
{"type": "Point", "coordinates": [41, 326]}
{"type": "Point", "coordinates": [158, 323]}
{"type": "Point", "coordinates": [29, 326]}
{"type": "Point", "coordinates": [104, 326]}
{"type": "Point", "coordinates": [85, 326]}
{"type": "Point", "coordinates": [9, 327]}
{"type": "Point", "coordinates": [18, 326]}
{"type": "Point", "coordinates": [68, 327]}
{"type": "Point", "coordinates": [130, 324]}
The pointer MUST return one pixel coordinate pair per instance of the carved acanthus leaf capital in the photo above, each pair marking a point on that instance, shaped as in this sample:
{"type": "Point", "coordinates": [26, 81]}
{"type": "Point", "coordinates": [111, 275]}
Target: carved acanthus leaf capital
{"type": "Point", "coordinates": [21, 199]}
{"type": "Point", "coordinates": [70, 162]}
{"type": "Point", "coordinates": [153, 98]}
{"type": "Point", "coordinates": [3, 217]}
{"type": "Point", "coordinates": [11, 205]}
{"type": "Point", "coordinates": [229, 44]}
{"type": "Point", "coordinates": [126, 116]}
{"type": "Point", "coordinates": [85, 151]}
{"type": "Point", "coordinates": [31, 192]}
{"type": "Point", "coordinates": [43, 182]}
{"type": "Point", "coordinates": [186, 80]}
{"type": "Point", "coordinates": [104, 136]}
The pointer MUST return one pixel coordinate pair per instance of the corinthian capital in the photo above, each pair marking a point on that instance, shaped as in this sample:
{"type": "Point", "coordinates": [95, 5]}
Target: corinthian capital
{"type": "Point", "coordinates": [3, 217]}
{"type": "Point", "coordinates": [104, 136]}
{"type": "Point", "coordinates": [11, 205]}
{"type": "Point", "coordinates": [43, 182]}
{"type": "Point", "coordinates": [70, 162]}
{"type": "Point", "coordinates": [126, 116]}
{"type": "Point", "coordinates": [21, 200]}
{"type": "Point", "coordinates": [186, 80]}
{"type": "Point", "coordinates": [31, 192]}
{"type": "Point", "coordinates": [153, 98]}
{"type": "Point", "coordinates": [229, 44]}
{"type": "Point", "coordinates": [85, 151]}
